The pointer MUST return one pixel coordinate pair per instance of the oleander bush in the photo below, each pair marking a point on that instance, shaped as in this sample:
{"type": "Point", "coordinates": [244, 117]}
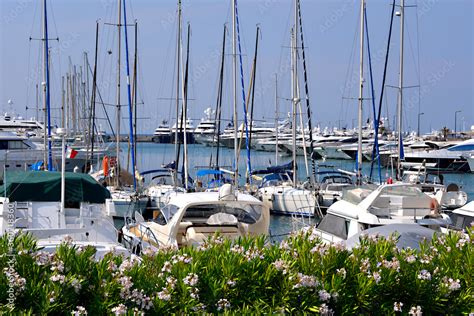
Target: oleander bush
{"type": "Point", "coordinates": [248, 276]}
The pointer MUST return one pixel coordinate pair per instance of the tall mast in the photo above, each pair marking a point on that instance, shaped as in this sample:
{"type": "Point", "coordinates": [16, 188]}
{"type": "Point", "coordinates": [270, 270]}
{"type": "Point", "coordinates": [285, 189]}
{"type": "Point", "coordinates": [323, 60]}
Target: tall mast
{"type": "Point", "coordinates": [234, 90]}
{"type": "Point", "coordinates": [46, 91]}
{"type": "Point", "coordinates": [219, 99]}
{"type": "Point", "coordinates": [37, 103]}
{"type": "Point", "coordinates": [276, 119]}
{"type": "Point", "coordinates": [361, 93]}
{"type": "Point", "coordinates": [63, 100]}
{"type": "Point", "coordinates": [400, 89]}
{"type": "Point", "coordinates": [129, 94]}
{"type": "Point", "coordinates": [294, 97]}
{"type": "Point", "coordinates": [185, 110]}
{"type": "Point", "coordinates": [94, 90]}
{"type": "Point", "coordinates": [117, 135]}
{"type": "Point", "coordinates": [308, 107]}
{"type": "Point", "coordinates": [178, 63]}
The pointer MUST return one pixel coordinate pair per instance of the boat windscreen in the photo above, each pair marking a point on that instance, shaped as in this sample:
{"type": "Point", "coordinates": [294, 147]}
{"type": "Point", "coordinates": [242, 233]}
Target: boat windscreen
{"type": "Point", "coordinates": [248, 214]}
{"type": "Point", "coordinates": [402, 191]}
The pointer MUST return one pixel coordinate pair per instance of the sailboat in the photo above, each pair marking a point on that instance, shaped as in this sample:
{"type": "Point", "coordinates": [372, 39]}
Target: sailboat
{"type": "Point", "coordinates": [165, 182]}
{"type": "Point", "coordinates": [124, 200]}
{"type": "Point", "coordinates": [35, 201]}
{"type": "Point", "coordinates": [284, 196]}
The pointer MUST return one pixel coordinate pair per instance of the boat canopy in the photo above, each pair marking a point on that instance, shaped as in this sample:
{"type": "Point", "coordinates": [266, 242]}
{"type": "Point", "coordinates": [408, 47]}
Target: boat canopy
{"type": "Point", "coordinates": [207, 172]}
{"type": "Point", "coordinates": [45, 186]}
{"type": "Point", "coordinates": [275, 169]}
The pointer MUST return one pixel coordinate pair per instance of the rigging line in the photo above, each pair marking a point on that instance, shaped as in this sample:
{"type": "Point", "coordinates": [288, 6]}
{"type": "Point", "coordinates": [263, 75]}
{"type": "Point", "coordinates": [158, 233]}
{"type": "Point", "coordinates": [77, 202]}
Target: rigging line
{"type": "Point", "coordinates": [103, 106]}
{"type": "Point", "coordinates": [129, 94]}
{"type": "Point", "coordinates": [384, 77]}
{"type": "Point", "coordinates": [306, 88]}
{"type": "Point", "coordinates": [375, 152]}
{"type": "Point", "coordinates": [249, 166]}
{"type": "Point", "coordinates": [348, 72]}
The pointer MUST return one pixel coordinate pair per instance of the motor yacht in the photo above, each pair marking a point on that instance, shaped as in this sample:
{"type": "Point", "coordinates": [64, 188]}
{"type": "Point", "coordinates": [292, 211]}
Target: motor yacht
{"type": "Point", "coordinates": [190, 219]}
{"type": "Point", "coordinates": [388, 204]}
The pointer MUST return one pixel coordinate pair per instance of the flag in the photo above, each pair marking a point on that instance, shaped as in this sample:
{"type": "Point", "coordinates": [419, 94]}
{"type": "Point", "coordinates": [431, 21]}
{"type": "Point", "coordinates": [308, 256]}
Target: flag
{"type": "Point", "coordinates": [71, 153]}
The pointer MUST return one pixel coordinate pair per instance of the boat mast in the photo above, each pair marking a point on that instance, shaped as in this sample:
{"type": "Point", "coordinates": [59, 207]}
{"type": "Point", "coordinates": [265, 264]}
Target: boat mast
{"type": "Point", "coordinates": [219, 99]}
{"type": "Point", "coordinates": [276, 120]}
{"type": "Point", "coordinates": [129, 94]}
{"type": "Point", "coordinates": [178, 62]}
{"type": "Point", "coordinates": [185, 110]}
{"type": "Point", "coordinates": [46, 99]}
{"type": "Point", "coordinates": [234, 91]}
{"type": "Point", "coordinates": [94, 90]}
{"type": "Point", "coordinates": [117, 135]}
{"type": "Point", "coordinates": [400, 89]}
{"type": "Point", "coordinates": [361, 93]}
{"type": "Point", "coordinates": [294, 73]}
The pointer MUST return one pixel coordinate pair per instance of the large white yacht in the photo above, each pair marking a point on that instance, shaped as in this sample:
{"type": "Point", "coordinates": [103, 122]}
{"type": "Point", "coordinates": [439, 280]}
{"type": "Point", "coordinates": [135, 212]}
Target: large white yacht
{"type": "Point", "coordinates": [162, 134]}
{"type": "Point", "coordinates": [451, 159]}
{"type": "Point", "coordinates": [205, 132]}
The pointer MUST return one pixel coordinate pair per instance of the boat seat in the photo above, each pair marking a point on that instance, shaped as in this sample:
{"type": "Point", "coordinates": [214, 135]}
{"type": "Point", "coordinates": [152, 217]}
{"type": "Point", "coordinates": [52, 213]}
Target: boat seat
{"type": "Point", "coordinates": [198, 233]}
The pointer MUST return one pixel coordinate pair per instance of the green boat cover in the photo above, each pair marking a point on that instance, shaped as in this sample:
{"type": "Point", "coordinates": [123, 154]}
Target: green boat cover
{"type": "Point", "coordinates": [45, 186]}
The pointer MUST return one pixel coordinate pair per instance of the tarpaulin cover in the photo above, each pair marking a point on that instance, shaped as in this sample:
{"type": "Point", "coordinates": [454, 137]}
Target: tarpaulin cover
{"type": "Point", "coordinates": [45, 186]}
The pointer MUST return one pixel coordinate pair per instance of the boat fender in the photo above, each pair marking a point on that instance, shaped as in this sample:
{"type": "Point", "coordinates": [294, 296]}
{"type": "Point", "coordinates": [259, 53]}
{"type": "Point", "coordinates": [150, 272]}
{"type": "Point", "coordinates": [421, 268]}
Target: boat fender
{"type": "Point", "coordinates": [434, 207]}
{"type": "Point", "coordinates": [105, 166]}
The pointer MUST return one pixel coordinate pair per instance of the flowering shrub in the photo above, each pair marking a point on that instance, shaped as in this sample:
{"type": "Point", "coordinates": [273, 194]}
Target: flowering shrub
{"type": "Point", "coordinates": [300, 275]}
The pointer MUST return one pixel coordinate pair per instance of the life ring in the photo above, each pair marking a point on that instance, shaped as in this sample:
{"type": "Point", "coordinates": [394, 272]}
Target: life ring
{"type": "Point", "coordinates": [105, 166]}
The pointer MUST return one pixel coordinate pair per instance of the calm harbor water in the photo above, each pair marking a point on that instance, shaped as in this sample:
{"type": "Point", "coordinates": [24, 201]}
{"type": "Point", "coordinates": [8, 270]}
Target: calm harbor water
{"type": "Point", "coordinates": [153, 156]}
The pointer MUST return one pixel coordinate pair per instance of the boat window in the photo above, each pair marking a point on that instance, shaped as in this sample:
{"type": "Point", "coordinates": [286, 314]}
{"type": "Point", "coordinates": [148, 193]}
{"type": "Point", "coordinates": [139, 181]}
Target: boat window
{"type": "Point", "coordinates": [334, 225]}
{"type": "Point", "coordinates": [3, 144]}
{"type": "Point", "coordinates": [248, 214]}
{"type": "Point", "coordinates": [461, 221]}
{"type": "Point", "coordinates": [16, 144]}
{"type": "Point", "coordinates": [403, 191]}
{"type": "Point", "coordinates": [169, 210]}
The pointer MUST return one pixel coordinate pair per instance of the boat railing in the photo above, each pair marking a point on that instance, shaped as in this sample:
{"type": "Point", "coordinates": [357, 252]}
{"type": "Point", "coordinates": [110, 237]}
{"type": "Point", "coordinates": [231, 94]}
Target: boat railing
{"type": "Point", "coordinates": [147, 234]}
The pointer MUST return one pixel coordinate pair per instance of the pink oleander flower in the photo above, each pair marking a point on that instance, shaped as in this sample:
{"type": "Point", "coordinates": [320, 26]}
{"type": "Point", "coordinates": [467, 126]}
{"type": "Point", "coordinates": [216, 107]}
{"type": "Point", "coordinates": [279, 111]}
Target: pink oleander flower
{"type": "Point", "coordinates": [223, 304]}
{"type": "Point", "coordinates": [80, 311]}
{"type": "Point", "coordinates": [119, 310]}
{"type": "Point", "coordinates": [424, 275]}
{"type": "Point", "coordinates": [415, 311]}
{"type": "Point", "coordinates": [191, 279]}
{"type": "Point", "coordinates": [324, 295]}
{"type": "Point", "coordinates": [166, 267]}
{"type": "Point", "coordinates": [397, 306]}
{"type": "Point", "coordinates": [376, 277]}
{"type": "Point", "coordinates": [305, 281]}
{"type": "Point", "coordinates": [164, 295]}
{"type": "Point", "coordinates": [324, 310]}
{"type": "Point", "coordinates": [58, 278]}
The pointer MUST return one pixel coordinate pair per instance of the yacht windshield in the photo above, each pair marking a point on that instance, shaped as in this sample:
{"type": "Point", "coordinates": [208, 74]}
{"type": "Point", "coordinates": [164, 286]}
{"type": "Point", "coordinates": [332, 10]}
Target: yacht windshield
{"type": "Point", "coordinates": [248, 214]}
{"type": "Point", "coordinates": [402, 191]}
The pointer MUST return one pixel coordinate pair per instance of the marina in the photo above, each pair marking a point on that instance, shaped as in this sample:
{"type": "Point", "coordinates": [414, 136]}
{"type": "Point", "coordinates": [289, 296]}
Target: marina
{"type": "Point", "coordinates": [233, 185]}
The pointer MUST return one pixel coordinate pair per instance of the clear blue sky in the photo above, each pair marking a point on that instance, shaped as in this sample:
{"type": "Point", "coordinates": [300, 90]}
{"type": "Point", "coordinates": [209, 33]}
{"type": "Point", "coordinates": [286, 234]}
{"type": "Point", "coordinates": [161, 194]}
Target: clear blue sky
{"type": "Point", "coordinates": [441, 35]}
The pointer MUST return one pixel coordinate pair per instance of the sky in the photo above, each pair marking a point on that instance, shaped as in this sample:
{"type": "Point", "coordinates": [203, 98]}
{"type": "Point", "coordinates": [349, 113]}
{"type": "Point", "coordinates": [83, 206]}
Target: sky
{"type": "Point", "coordinates": [438, 72]}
